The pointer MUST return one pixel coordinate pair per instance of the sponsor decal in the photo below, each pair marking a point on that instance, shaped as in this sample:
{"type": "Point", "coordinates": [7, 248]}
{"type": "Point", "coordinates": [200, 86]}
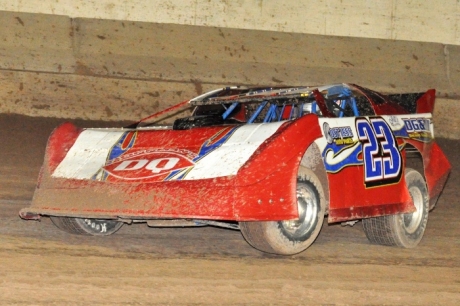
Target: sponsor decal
{"type": "Point", "coordinates": [418, 128]}
{"type": "Point", "coordinates": [341, 150]}
{"type": "Point", "coordinates": [126, 163]}
{"type": "Point", "coordinates": [339, 135]}
{"type": "Point", "coordinates": [123, 145]}
{"type": "Point", "coordinates": [148, 164]}
{"type": "Point", "coordinates": [393, 121]}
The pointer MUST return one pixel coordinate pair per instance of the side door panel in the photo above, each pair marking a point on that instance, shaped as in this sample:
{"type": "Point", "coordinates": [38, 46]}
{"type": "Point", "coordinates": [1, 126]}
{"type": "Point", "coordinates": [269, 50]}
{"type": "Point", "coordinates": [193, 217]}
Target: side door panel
{"type": "Point", "coordinates": [365, 162]}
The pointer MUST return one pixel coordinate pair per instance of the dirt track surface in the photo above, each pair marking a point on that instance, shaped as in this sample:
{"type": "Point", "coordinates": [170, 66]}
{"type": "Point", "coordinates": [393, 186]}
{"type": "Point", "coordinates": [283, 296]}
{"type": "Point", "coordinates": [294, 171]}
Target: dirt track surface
{"type": "Point", "coordinates": [138, 265]}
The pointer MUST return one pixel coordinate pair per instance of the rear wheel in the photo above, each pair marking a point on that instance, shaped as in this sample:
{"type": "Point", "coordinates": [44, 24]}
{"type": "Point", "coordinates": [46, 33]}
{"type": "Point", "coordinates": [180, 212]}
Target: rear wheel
{"type": "Point", "coordinates": [81, 226]}
{"type": "Point", "coordinates": [291, 236]}
{"type": "Point", "coordinates": [402, 230]}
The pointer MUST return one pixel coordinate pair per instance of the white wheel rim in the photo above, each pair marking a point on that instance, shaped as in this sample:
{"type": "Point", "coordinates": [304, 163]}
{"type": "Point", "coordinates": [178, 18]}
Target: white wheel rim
{"type": "Point", "coordinates": [308, 211]}
{"type": "Point", "coordinates": [96, 226]}
{"type": "Point", "coordinates": [412, 221]}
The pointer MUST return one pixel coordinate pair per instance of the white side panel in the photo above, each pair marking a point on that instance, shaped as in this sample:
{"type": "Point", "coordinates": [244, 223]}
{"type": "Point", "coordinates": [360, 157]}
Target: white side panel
{"type": "Point", "coordinates": [87, 155]}
{"type": "Point", "coordinates": [228, 159]}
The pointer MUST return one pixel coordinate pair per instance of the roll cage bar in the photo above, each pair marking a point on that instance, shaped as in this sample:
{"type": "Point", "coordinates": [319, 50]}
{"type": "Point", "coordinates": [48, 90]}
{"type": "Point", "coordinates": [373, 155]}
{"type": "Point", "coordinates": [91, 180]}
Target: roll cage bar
{"type": "Point", "coordinates": [279, 104]}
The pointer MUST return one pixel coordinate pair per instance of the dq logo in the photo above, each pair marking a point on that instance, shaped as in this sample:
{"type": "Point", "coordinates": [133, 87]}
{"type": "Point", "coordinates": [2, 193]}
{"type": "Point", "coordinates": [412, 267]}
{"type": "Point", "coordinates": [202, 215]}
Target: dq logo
{"type": "Point", "coordinates": [149, 165]}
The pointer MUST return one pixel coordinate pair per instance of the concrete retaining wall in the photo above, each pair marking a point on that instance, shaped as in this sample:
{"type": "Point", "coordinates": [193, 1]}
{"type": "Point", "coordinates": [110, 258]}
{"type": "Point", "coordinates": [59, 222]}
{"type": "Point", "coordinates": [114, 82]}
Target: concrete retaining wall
{"type": "Point", "coordinates": [53, 65]}
{"type": "Point", "coordinates": [427, 20]}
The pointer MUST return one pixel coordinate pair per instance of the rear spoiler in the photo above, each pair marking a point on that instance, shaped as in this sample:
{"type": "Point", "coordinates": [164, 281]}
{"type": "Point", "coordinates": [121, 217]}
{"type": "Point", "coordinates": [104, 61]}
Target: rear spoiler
{"type": "Point", "coordinates": [420, 102]}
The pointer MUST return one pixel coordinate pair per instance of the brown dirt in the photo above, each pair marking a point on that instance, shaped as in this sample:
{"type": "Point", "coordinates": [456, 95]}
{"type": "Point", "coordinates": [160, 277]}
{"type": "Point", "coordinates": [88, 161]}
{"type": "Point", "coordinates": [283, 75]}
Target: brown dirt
{"type": "Point", "coordinates": [41, 265]}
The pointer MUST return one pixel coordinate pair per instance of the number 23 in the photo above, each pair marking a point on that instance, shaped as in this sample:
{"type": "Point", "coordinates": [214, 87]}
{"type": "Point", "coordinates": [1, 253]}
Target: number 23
{"type": "Point", "coordinates": [382, 159]}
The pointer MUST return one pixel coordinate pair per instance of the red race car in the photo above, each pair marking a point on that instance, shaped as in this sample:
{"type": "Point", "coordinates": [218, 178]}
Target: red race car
{"type": "Point", "coordinates": [271, 162]}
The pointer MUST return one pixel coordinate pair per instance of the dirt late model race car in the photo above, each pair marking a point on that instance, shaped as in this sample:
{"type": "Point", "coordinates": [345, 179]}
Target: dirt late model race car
{"type": "Point", "coordinates": [271, 162]}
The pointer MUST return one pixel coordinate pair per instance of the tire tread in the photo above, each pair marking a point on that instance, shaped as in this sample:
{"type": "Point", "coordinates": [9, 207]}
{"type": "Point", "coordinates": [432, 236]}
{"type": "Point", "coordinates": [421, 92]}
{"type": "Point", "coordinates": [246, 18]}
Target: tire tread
{"type": "Point", "coordinates": [69, 225]}
{"type": "Point", "coordinates": [378, 231]}
{"type": "Point", "coordinates": [259, 234]}
{"type": "Point", "coordinates": [388, 230]}
{"type": "Point", "coordinates": [254, 233]}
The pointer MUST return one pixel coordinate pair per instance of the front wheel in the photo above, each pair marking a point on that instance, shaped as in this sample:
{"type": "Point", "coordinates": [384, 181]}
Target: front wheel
{"type": "Point", "coordinates": [291, 236]}
{"type": "Point", "coordinates": [83, 226]}
{"type": "Point", "coordinates": [402, 230]}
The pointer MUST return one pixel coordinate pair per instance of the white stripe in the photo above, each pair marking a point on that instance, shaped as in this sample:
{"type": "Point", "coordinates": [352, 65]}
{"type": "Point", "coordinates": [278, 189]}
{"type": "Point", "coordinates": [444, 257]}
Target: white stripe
{"type": "Point", "coordinates": [228, 158]}
{"type": "Point", "coordinates": [87, 155]}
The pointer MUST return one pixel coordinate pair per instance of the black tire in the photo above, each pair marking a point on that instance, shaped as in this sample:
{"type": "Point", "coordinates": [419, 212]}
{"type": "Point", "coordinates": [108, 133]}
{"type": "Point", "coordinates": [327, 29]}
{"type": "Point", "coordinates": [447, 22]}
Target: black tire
{"type": "Point", "coordinates": [291, 236]}
{"type": "Point", "coordinates": [93, 227]}
{"type": "Point", "coordinates": [402, 230]}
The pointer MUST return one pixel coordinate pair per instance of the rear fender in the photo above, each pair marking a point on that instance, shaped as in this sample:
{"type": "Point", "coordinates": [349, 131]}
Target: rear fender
{"type": "Point", "coordinates": [436, 167]}
{"type": "Point", "coordinates": [287, 146]}
{"type": "Point", "coordinates": [59, 143]}
{"type": "Point", "coordinates": [264, 188]}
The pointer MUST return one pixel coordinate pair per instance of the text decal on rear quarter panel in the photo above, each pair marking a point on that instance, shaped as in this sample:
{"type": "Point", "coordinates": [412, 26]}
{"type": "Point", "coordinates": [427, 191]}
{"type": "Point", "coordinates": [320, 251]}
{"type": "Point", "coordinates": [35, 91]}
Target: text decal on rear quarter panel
{"type": "Point", "coordinates": [382, 159]}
